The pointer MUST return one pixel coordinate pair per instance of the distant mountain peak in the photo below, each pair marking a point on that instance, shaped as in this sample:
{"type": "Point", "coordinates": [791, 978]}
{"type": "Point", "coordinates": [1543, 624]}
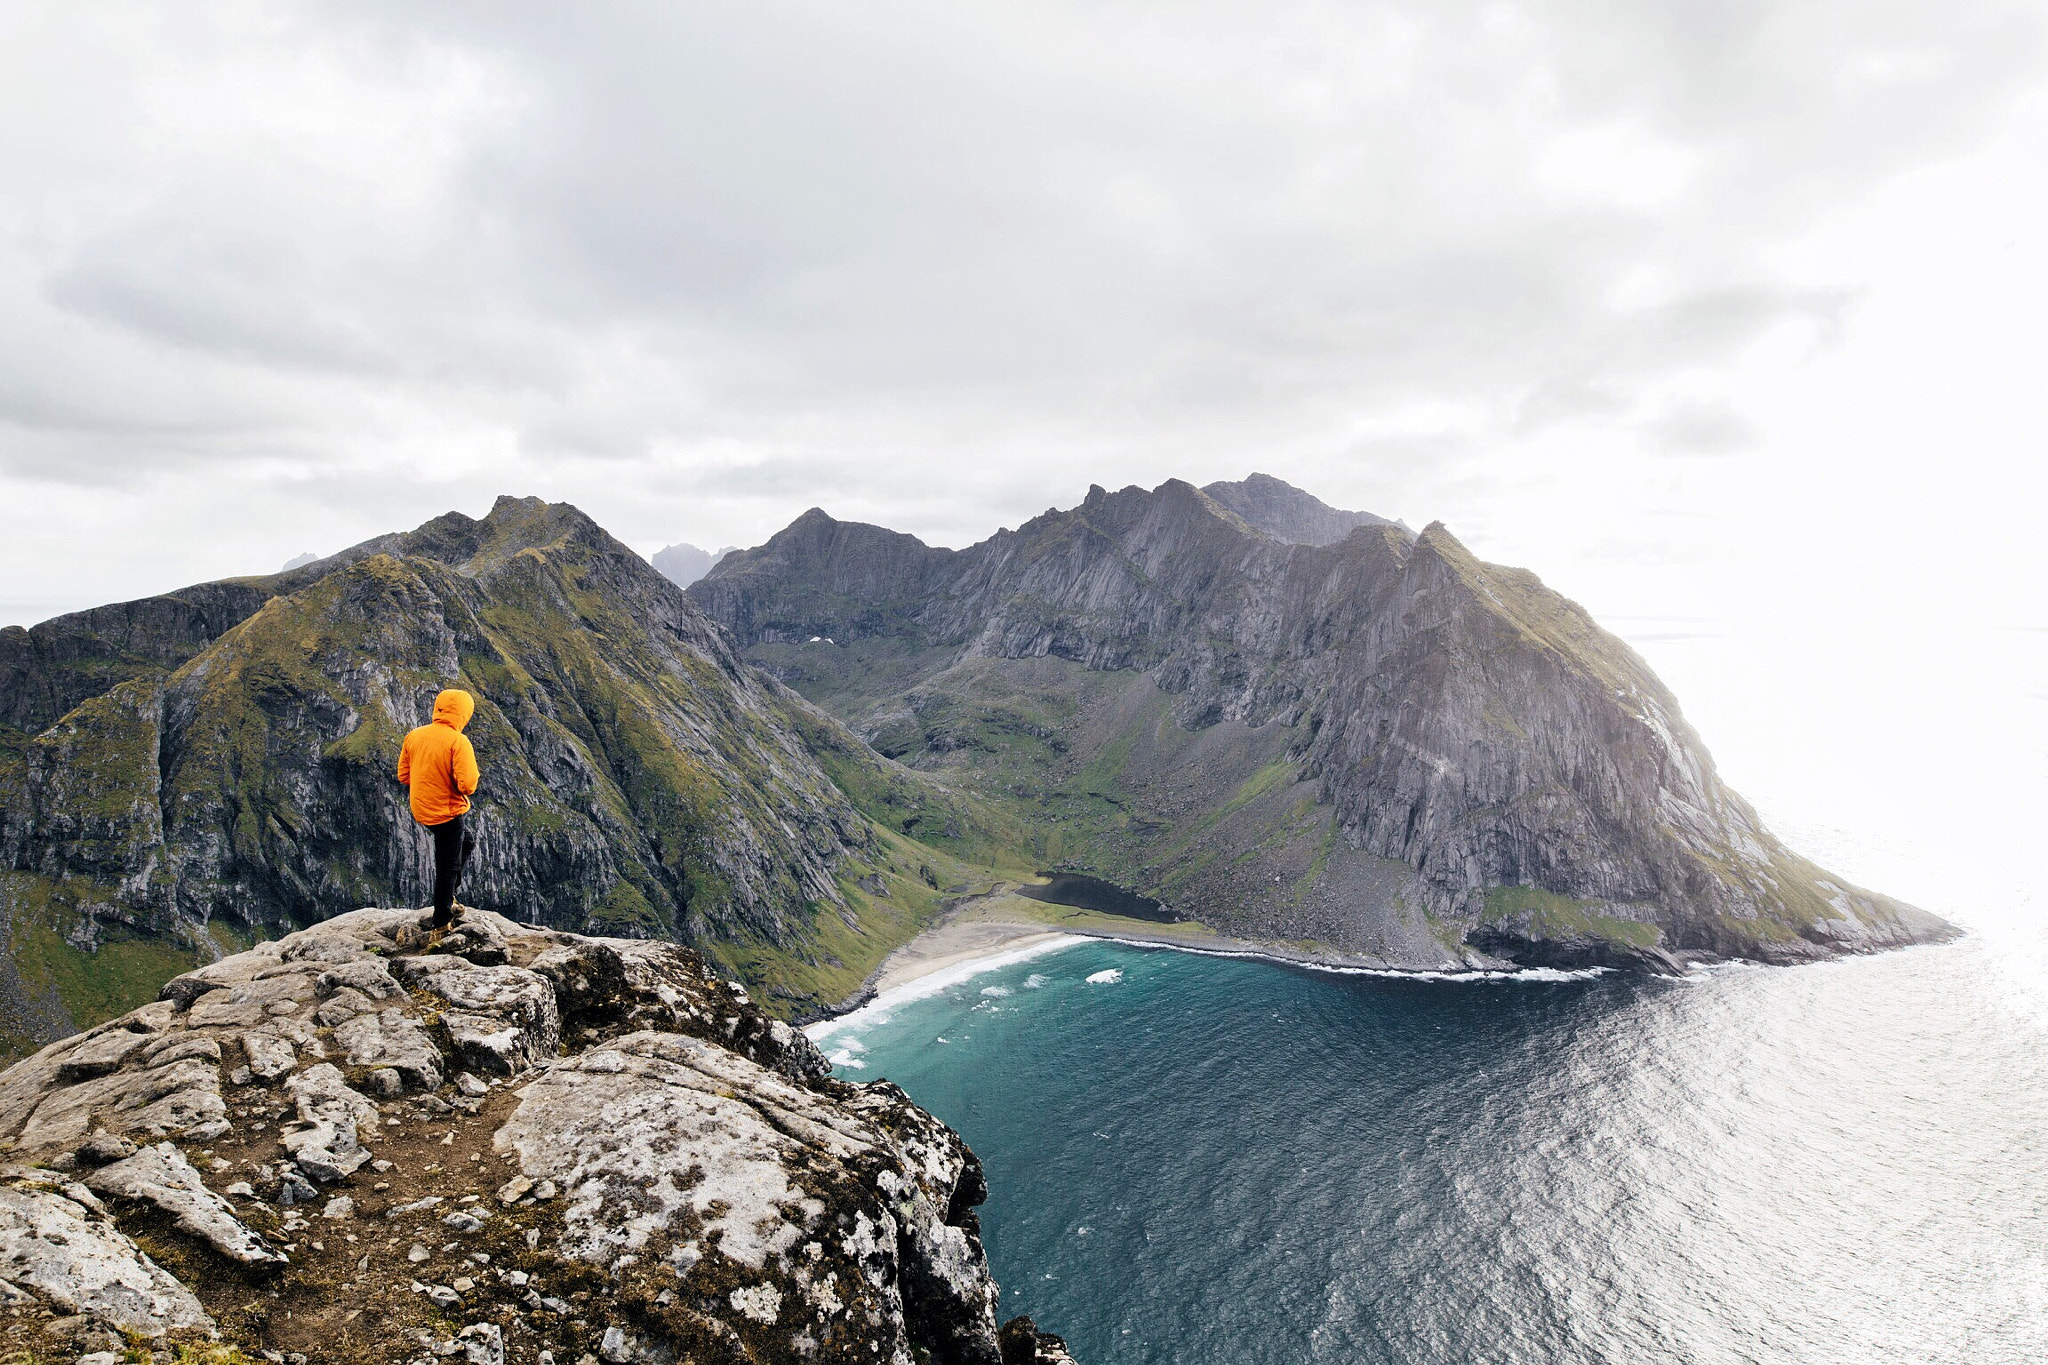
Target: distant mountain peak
{"type": "Point", "coordinates": [1290, 514]}
{"type": "Point", "coordinates": [683, 563]}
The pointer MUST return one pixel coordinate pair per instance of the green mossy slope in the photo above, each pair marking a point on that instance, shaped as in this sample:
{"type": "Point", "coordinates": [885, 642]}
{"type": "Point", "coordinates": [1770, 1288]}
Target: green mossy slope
{"type": "Point", "coordinates": [639, 780]}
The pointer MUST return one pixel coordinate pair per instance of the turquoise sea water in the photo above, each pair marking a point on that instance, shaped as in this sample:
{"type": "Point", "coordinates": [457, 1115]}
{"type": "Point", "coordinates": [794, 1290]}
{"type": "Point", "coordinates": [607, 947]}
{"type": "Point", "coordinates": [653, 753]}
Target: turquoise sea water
{"type": "Point", "coordinates": [1201, 1159]}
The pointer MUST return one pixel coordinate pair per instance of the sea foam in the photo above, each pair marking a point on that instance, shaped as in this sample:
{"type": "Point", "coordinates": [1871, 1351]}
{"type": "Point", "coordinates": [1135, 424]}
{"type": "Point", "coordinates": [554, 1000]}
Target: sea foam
{"type": "Point", "coordinates": [876, 1011]}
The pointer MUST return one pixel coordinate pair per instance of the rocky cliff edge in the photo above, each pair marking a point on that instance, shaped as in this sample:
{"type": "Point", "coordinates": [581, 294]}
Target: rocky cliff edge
{"type": "Point", "coordinates": [522, 1146]}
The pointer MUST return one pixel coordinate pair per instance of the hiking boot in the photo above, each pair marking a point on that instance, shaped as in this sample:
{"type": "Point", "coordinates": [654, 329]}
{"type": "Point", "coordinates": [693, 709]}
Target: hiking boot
{"type": "Point", "coordinates": [434, 937]}
{"type": "Point", "coordinates": [461, 910]}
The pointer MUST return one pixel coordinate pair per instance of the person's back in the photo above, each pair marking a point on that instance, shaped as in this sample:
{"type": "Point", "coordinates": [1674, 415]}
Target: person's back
{"type": "Point", "coordinates": [439, 765]}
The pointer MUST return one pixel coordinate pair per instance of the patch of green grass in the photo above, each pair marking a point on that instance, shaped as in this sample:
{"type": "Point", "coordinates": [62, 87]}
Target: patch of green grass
{"type": "Point", "coordinates": [1104, 772]}
{"type": "Point", "coordinates": [625, 912]}
{"type": "Point", "coordinates": [230, 938]}
{"type": "Point", "coordinates": [1551, 915]}
{"type": "Point", "coordinates": [841, 950]}
{"type": "Point", "coordinates": [1074, 919]}
{"type": "Point", "coordinates": [1275, 774]}
{"type": "Point", "coordinates": [124, 974]}
{"type": "Point", "coordinates": [1500, 720]}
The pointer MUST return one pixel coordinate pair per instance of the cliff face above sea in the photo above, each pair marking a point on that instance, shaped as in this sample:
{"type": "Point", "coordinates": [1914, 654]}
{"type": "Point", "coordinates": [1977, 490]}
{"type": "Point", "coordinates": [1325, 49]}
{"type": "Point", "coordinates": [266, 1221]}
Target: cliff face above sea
{"type": "Point", "coordinates": [525, 1145]}
{"type": "Point", "coordinates": [1372, 739]}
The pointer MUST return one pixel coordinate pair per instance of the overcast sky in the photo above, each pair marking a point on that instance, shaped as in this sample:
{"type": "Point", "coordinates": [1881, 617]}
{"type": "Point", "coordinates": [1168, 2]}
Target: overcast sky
{"type": "Point", "coordinates": [1709, 311]}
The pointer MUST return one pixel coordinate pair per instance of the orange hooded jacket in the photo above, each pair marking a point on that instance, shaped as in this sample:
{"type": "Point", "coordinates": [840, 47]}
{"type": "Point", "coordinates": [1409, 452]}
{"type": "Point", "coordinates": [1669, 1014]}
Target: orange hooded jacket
{"type": "Point", "coordinates": [438, 763]}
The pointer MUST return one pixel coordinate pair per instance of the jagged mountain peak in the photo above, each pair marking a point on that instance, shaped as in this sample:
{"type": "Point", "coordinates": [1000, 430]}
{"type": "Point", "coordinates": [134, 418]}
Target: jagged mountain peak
{"type": "Point", "coordinates": [1290, 514]}
{"type": "Point", "coordinates": [683, 563]}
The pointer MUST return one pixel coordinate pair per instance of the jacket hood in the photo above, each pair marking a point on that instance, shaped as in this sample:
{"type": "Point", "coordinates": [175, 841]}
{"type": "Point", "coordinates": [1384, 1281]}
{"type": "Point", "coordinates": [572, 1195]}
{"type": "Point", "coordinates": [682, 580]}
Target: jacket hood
{"type": "Point", "coordinates": [454, 707]}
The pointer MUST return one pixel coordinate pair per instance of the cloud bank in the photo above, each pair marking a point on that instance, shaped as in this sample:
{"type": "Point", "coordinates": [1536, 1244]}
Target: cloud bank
{"type": "Point", "coordinates": [284, 275]}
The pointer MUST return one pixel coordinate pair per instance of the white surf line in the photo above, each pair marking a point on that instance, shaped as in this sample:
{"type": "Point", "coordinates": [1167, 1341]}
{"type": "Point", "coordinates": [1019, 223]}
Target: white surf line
{"type": "Point", "coordinates": [1531, 974]}
{"type": "Point", "coordinates": [934, 982]}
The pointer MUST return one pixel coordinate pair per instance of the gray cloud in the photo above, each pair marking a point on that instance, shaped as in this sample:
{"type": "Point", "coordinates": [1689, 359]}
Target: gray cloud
{"type": "Point", "coordinates": [699, 266]}
{"type": "Point", "coordinates": [1691, 427]}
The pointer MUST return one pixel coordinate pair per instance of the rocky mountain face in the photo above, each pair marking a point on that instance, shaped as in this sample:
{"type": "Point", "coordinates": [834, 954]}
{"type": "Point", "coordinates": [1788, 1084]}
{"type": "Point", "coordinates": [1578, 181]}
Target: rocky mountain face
{"type": "Point", "coordinates": [524, 1146]}
{"type": "Point", "coordinates": [1288, 514]}
{"type": "Point", "coordinates": [1377, 741]}
{"type": "Point", "coordinates": [216, 764]}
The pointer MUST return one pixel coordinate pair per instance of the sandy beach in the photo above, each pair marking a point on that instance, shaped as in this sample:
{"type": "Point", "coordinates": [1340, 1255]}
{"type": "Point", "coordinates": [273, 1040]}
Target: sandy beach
{"type": "Point", "coordinates": [1001, 927]}
{"type": "Point", "coordinates": [956, 940]}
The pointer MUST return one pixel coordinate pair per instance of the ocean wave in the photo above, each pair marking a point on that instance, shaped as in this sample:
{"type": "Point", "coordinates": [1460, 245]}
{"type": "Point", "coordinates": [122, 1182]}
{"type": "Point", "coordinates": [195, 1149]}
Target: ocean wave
{"type": "Point", "coordinates": [1108, 977]}
{"type": "Point", "coordinates": [995, 992]}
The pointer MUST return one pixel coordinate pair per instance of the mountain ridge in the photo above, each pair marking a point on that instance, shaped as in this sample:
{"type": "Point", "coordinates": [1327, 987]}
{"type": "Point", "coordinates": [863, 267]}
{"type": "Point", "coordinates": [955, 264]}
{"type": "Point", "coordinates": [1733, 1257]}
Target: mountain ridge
{"type": "Point", "coordinates": [1377, 743]}
{"type": "Point", "coordinates": [1457, 764]}
{"type": "Point", "coordinates": [683, 564]}
{"type": "Point", "coordinates": [220, 767]}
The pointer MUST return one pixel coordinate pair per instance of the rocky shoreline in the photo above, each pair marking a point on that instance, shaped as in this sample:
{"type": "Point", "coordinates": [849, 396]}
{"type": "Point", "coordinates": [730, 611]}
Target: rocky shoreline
{"type": "Point", "coordinates": [528, 1146]}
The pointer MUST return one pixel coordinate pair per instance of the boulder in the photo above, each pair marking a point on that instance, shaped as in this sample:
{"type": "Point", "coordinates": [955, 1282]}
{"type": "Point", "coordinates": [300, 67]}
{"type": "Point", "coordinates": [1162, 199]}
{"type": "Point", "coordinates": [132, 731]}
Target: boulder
{"type": "Point", "coordinates": [500, 1020]}
{"type": "Point", "coordinates": [102, 1054]}
{"type": "Point", "coordinates": [270, 1055]}
{"type": "Point", "coordinates": [161, 1176]}
{"type": "Point", "coordinates": [1024, 1344]}
{"type": "Point", "coordinates": [391, 1039]}
{"type": "Point", "coordinates": [367, 975]}
{"type": "Point", "coordinates": [327, 1141]}
{"type": "Point", "coordinates": [56, 1250]}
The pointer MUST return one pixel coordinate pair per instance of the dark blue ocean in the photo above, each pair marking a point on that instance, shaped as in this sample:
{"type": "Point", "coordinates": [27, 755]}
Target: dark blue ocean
{"type": "Point", "coordinates": [1230, 1161]}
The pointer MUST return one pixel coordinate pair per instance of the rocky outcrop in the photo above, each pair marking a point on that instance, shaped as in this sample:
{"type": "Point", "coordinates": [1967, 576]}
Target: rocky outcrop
{"type": "Point", "coordinates": [64, 1256]}
{"type": "Point", "coordinates": [1379, 742]}
{"type": "Point", "coordinates": [651, 1169]}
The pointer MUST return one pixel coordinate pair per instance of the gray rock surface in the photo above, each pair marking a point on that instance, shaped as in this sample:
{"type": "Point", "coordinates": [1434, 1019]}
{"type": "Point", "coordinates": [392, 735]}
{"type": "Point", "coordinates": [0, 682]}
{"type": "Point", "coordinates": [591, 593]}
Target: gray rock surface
{"type": "Point", "coordinates": [327, 1141]}
{"type": "Point", "coordinates": [55, 1251]}
{"type": "Point", "coordinates": [161, 1176]}
{"type": "Point", "coordinates": [649, 1132]}
{"type": "Point", "coordinates": [394, 1039]}
{"type": "Point", "coordinates": [1288, 514]}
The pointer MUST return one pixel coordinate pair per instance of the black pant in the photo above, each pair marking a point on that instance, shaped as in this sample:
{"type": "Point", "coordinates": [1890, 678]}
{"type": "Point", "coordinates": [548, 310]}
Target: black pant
{"type": "Point", "coordinates": [452, 847]}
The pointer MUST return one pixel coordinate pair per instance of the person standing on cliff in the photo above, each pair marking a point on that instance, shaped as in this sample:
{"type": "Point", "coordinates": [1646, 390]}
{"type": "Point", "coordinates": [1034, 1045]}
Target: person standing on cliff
{"type": "Point", "coordinates": [439, 765]}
